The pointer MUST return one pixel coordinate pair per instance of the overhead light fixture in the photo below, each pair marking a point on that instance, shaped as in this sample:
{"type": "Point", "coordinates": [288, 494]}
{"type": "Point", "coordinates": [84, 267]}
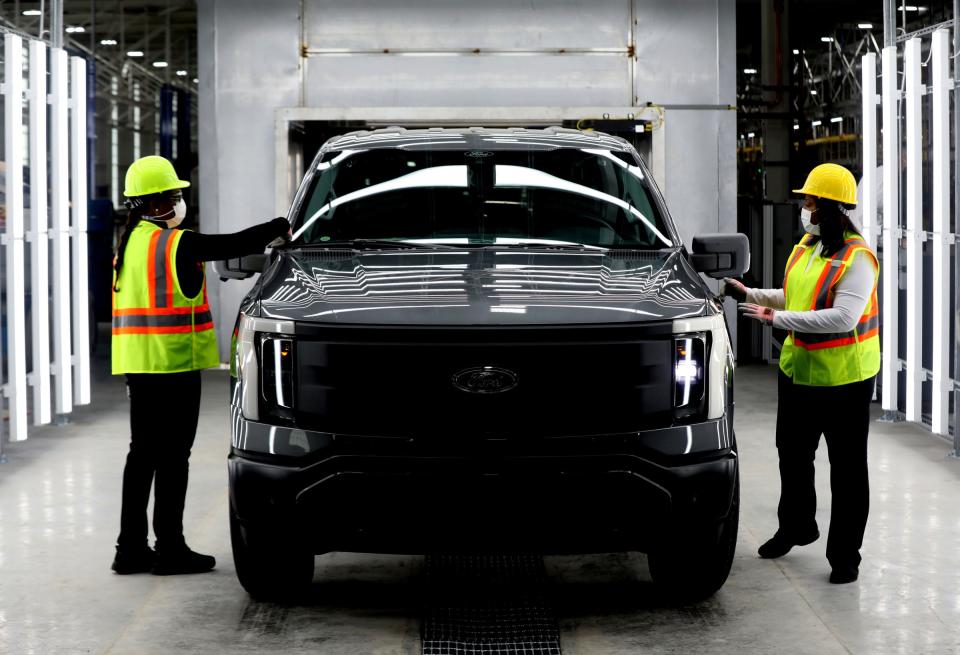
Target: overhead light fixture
{"type": "Point", "coordinates": [826, 39]}
{"type": "Point", "coordinates": [816, 123]}
{"type": "Point", "coordinates": [750, 71]}
{"type": "Point", "coordinates": [135, 53]}
{"type": "Point", "coordinates": [750, 135]}
{"type": "Point", "coordinates": [182, 73]}
{"type": "Point", "coordinates": [813, 92]}
{"type": "Point", "coordinates": [836, 119]}
{"type": "Point", "coordinates": [865, 26]}
{"type": "Point", "coordinates": [75, 29]}
{"type": "Point", "coordinates": [796, 52]}
{"type": "Point", "coordinates": [908, 8]}
{"type": "Point", "coordinates": [108, 42]}
{"type": "Point", "coordinates": [160, 64]}
{"type": "Point", "coordinates": [32, 12]}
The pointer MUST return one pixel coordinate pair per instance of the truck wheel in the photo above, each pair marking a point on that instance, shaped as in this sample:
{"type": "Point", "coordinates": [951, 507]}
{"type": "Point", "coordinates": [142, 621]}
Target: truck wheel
{"type": "Point", "coordinates": [693, 564]}
{"type": "Point", "coordinates": [268, 568]}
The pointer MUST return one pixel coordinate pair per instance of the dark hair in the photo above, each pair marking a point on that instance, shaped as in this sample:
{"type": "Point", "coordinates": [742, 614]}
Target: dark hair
{"type": "Point", "coordinates": [138, 207]}
{"type": "Point", "coordinates": [834, 222]}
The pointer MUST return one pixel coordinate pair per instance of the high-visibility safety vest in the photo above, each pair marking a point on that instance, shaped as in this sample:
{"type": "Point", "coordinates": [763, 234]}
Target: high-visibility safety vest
{"type": "Point", "coordinates": [828, 360]}
{"type": "Point", "coordinates": [156, 328]}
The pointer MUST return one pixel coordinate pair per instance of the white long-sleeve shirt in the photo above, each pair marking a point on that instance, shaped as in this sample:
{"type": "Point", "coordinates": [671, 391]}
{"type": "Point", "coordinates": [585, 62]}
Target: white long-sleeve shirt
{"type": "Point", "coordinates": [851, 298]}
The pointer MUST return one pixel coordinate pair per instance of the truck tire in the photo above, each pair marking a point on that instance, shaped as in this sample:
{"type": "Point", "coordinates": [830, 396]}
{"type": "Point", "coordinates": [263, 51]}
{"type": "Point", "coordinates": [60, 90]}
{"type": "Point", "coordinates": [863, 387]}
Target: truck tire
{"type": "Point", "coordinates": [268, 568]}
{"type": "Point", "coordinates": [691, 565]}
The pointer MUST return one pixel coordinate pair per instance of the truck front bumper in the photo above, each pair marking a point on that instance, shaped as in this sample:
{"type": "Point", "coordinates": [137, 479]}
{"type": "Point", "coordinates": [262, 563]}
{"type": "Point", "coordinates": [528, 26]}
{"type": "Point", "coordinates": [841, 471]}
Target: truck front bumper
{"type": "Point", "coordinates": [574, 494]}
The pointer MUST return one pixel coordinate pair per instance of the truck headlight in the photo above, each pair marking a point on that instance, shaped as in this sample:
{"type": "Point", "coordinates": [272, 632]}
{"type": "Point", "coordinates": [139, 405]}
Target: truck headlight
{"type": "Point", "coordinates": [276, 366]}
{"type": "Point", "coordinates": [689, 374]}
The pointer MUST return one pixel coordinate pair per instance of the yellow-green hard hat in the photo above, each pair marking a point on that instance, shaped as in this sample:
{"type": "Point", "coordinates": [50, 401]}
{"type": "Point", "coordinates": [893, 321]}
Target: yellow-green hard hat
{"type": "Point", "coordinates": [831, 181]}
{"type": "Point", "coordinates": [149, 175]}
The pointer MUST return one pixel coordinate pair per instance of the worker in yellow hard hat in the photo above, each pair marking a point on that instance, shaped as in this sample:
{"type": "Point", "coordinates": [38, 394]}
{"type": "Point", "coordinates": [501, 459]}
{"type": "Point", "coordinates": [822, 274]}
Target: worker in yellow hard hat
{"type": "Point", "coordinates": [162, 337]}
{"type": "Point", "coordinates": [828, 367]}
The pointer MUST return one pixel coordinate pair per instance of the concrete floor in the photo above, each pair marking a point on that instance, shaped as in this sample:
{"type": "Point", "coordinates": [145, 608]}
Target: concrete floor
{"type": "Point", "coordinates": [59, 509]}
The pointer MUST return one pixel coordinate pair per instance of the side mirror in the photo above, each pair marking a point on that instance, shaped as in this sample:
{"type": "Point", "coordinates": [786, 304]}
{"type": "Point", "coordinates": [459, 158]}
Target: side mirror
{"type": "Point", "coordinates": [721, 255]}
{"type": "Point", "coordinates": [240, 268]}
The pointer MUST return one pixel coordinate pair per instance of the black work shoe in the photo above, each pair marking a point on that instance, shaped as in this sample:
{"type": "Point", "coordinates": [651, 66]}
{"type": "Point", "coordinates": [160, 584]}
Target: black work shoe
{"type": "Point", "coordinates": [182, 560]}
{"type": "Point", "coordinates": [137, 561]}
{"type": "Point", "coordinates": [844, 574]}
{"type": "Point", "coordinates": [779, 545]}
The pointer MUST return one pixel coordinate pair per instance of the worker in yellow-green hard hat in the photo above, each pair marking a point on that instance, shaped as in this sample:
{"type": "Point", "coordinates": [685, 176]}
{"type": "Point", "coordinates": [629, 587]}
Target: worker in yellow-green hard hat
{"type": "Point", "coordinates": [828, 367]}
{"type": "Point", "coordinates": [163, 337]}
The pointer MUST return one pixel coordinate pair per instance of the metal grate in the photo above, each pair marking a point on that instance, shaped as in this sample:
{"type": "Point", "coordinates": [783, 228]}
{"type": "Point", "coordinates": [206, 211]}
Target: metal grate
{"type": "Point", "coordinates": [487, 604]}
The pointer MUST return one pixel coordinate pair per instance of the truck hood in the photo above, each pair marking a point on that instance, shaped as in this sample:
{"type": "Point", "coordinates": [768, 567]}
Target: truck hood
{"type": "Point", "coordinates": [480, 287]}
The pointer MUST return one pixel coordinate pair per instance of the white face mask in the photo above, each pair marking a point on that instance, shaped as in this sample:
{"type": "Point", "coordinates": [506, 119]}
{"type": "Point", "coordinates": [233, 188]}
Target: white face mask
{"type": "Point", "coordinates": [179, 213]}
{"type": "Point", "coordinates": [805, 217]}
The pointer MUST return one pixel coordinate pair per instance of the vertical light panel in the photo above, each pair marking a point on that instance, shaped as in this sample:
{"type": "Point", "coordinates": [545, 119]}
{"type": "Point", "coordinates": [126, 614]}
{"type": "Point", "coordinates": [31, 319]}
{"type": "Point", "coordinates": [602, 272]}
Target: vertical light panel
{"type": "Point", "coordinates": [114, 142]}
{"type": "Point", "coordinates": [940, 137]}
{"type": "Point", "coordinates": [891, 227]}
{"type": "Point", "coordinates": [40, 265]}
{"type": "Point", "coordinates": [868, 184]}
{"type": "Point", "coordinates": [17, 389]}
{"type": "Point", "coordinates": [78, 202]}
{"type": "Point", "coordinates": [136, 120]}
{"type": "Point", "coordinates": [913, 119]}
{"type": "Point", "coordinates": [60, 214]}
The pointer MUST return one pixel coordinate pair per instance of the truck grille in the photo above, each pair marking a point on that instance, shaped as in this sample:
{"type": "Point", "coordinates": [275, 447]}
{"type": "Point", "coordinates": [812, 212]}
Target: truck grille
{"type": "Point", "coordinates": [410, 382]}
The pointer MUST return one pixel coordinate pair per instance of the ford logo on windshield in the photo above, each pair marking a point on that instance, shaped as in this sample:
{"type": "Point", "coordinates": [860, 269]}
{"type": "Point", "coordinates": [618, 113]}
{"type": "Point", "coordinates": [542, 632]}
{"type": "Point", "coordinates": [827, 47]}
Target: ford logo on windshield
{"type": "Point", "coordinates": [485, 379]}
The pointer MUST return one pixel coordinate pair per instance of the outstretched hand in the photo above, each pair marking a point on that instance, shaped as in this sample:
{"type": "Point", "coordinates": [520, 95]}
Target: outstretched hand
{"type": "Point", "coordinates": [284, 235]}
{"type": "Point", "coordinates": [735, 289]}
{"type": "Point", "coordinates": [757, 312]}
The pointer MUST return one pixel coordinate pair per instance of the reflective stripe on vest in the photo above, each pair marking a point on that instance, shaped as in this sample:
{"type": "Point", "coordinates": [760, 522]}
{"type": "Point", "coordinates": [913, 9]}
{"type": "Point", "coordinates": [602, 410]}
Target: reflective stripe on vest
{"type": "Point", "coordinates": [810, 284]}
{"type": "Point", "coordinates": [868, 324]}
{"type": "Point", "coordinates": [156, 328]}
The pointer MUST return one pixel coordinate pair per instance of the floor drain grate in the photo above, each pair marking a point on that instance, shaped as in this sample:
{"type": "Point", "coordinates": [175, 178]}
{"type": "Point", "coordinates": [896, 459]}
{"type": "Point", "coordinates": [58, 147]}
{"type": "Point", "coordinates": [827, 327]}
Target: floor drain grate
{"type": "Point", "coordinates": [487, 604]}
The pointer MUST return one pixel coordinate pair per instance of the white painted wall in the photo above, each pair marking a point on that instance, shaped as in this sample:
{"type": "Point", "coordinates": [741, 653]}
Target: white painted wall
{"type": "Point", "coordinates": [256, 57]}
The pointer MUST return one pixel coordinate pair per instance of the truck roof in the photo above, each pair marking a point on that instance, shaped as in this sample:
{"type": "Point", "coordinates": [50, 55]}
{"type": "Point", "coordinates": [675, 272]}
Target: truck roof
{"type": "Point", "coordinates": [500, 138]}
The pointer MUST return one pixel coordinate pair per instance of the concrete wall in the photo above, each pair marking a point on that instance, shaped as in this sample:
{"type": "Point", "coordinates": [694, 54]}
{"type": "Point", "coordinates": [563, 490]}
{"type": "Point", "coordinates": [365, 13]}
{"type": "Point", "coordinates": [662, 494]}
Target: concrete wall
{"type": "Point", "coordinates": [256, 57]}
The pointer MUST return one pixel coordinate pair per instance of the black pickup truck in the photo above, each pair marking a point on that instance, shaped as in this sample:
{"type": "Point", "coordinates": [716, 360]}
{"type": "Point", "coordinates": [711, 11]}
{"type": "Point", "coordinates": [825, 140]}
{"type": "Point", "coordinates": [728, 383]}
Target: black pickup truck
{"type": "Point", "coordinates": [483, 339]}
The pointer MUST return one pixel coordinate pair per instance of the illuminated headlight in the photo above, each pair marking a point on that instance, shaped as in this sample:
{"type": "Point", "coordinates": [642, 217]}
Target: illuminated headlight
{"type": "Point", "coordinates": [689, 374]}
{"type": "Point", "coordinates": [276, 362]}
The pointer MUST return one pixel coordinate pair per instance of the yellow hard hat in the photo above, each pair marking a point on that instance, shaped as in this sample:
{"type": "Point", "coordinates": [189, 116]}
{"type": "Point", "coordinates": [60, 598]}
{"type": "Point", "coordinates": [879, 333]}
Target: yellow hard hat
{"type": "Point", "coordinates": [831, 181]}
{"type": "Point", "coordinates": [149, 175]}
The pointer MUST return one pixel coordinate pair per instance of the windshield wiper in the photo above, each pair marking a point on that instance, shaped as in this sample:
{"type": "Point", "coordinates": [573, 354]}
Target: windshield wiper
{"type": "Point", "coordinates": [544, 246]}
{"type": "Point", "coordinates": [363, 244]}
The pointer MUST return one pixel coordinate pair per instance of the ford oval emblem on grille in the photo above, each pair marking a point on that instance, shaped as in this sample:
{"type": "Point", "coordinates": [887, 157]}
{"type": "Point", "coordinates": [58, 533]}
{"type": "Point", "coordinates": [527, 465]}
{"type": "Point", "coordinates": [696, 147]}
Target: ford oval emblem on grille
{"type": "Point", "coordinates": [485, 379]}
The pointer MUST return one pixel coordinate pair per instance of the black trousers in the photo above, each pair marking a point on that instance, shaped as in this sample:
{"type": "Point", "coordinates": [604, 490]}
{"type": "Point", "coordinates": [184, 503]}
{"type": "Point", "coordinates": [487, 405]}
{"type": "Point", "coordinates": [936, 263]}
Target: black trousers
{"type": "Point", "coordinates": [164, 410]}
{"type": "Point", "coordinates": [842, 415]}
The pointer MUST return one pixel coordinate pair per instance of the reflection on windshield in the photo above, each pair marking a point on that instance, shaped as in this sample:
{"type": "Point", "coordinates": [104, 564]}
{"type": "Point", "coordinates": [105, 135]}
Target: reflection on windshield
{"type": "Point", "coordinates": [520, 176]}
{"type": "Point", "coordinates": [568, 196]}
{"type": "Point", "coordinates": [438, 176]}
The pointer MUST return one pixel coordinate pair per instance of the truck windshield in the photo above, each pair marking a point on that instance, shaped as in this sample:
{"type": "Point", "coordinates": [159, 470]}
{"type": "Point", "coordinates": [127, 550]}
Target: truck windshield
{"type": "Point", "coordinates": [593, 197]}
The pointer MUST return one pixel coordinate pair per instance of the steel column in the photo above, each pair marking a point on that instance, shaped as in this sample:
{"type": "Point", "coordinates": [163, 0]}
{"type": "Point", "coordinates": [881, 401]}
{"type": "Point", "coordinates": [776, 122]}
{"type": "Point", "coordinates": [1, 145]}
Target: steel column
{"type": "Point", "coordinates": [891, 230]}
{"type": "Point", "coordinates": [16, 265]}
{"type": "Point", "coordinates": [39, 224]}
{"type": "Point", "coordinates": [166, 121]}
